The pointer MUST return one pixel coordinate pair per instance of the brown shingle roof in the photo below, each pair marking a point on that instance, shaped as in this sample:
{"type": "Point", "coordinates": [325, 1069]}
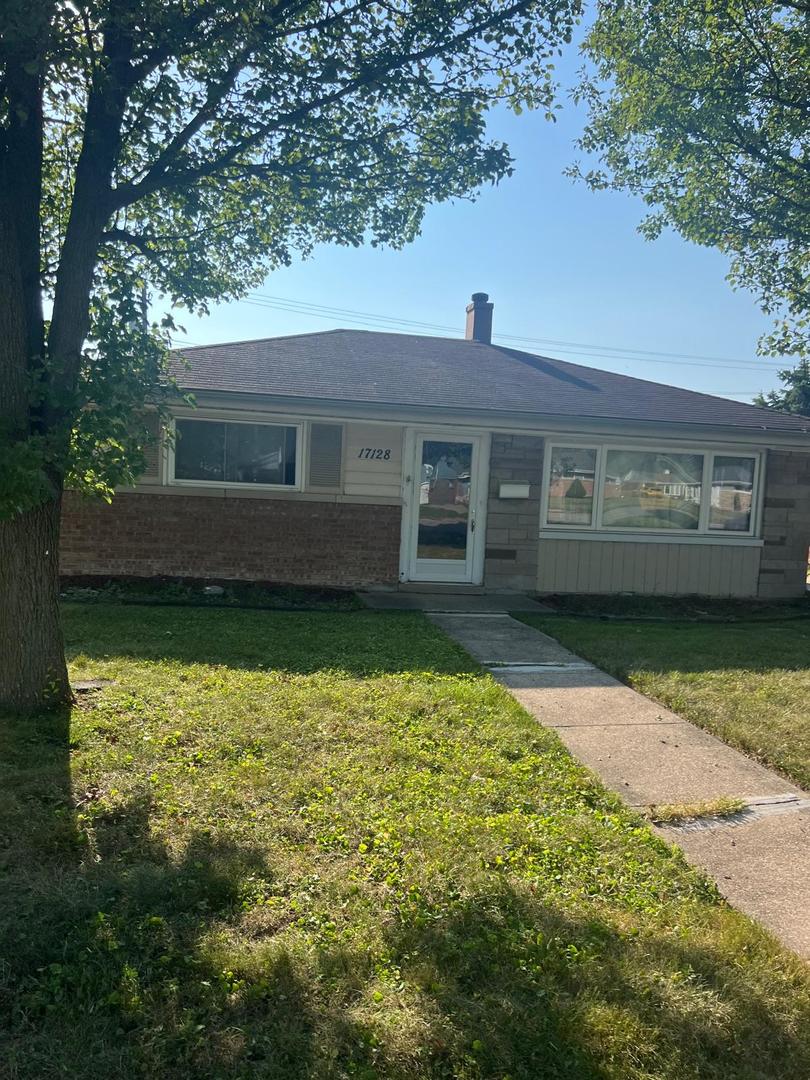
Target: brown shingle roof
{"type": "Point", "coordinates": [375, 368]}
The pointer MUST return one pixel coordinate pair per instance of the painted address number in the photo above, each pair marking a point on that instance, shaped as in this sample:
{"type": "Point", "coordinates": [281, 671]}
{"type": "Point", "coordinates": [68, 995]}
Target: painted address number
{"type": "Point", "coordinates": [375, 453]}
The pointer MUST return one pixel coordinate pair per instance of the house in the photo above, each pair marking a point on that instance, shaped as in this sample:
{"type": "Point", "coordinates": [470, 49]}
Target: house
{"type": "Point", "coordinates": [357, 458]}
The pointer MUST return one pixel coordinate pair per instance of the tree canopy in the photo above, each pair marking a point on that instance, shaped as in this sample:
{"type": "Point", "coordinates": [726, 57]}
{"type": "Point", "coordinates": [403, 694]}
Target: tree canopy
{"type": "Point", "coordinates": [193, 146]}
{"type": "Point", "coordinates": [702, 107]}
{"type": "Point", "coordinates": [794, 397]}
{"type": "Point", "coordinates": [185, 148]}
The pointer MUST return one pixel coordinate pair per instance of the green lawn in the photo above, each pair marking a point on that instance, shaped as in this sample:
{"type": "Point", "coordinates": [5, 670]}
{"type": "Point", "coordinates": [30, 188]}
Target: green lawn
{"type": "Point", "coordinates": [748, 683]}
{"type": "Point", "coordinates": [321, 846]}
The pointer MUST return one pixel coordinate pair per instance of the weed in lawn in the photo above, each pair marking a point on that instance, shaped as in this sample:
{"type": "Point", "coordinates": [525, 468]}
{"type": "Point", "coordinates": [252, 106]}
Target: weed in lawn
{"type": "Point", "coordinates": [678, 813]}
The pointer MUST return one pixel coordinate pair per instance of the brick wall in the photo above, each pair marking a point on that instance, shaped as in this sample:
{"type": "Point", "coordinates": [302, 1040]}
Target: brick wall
{"type": "Point", "coordinates": [786, 524]}
{"type": "Point", "coordinates": [513, 524]}
{"type": "Point", "coordinates": [284, 541]}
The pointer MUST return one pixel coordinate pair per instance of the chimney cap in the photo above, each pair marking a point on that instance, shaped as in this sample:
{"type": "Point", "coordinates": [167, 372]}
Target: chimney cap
{"type": "Point", "coordinates": [479, 319]}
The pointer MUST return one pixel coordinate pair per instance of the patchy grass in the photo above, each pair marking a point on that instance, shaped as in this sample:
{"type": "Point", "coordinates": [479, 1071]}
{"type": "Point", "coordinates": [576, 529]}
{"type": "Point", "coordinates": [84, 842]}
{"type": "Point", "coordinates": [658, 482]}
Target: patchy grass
{"type": "Point", "coordinates": [678, 813]}
{"type": "Point", "coordinates": [329, 846]}
{"type": "Point", "coordinates": [748, 683]}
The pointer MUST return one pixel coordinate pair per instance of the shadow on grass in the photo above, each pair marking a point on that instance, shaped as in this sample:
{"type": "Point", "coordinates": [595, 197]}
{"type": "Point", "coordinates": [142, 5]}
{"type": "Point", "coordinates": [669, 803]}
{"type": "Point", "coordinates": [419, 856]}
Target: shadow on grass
{"type": "Point", "coordinates": [688, 648]}
{"type": "Point", "coordinates": [126, 956]}
{"type": "Point", "coordinates": [358, 643]}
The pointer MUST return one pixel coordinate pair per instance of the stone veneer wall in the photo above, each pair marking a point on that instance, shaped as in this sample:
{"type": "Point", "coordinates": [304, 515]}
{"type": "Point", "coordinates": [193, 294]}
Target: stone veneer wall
{"type": "Point", "coordinates": [786, 525]}
{"type": "Point", "coordinates": [247, 539]}
{"type": "Point", "coordinates": [513, 524]}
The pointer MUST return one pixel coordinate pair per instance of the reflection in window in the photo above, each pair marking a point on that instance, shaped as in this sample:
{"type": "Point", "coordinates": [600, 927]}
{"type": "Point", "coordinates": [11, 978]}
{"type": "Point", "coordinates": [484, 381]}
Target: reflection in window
{"type": "Point", "coordinates": [444, 500]}
{"type": "Point", "coordinates": [652, 490]}
{"type": "Point", "coordinates": [571, 483]}
{"type": "Point", "coordinates": [235, 453]}
{"type": "Point", "coordinates": [732, 493]}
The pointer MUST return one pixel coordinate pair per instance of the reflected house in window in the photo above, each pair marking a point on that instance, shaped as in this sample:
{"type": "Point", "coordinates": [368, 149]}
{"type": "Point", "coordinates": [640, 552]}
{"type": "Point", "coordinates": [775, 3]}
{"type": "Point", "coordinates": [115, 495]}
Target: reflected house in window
{"type": "Point", "coordinates": [652, 490]}
{"type": "Point", "coordinates": [359, 458]}
{"type": "Point", "coordinates": [732, 493]}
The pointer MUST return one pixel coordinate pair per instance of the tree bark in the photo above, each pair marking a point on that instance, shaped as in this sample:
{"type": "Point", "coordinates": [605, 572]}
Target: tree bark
{"type": "Point", "coordinates": [33, 673]}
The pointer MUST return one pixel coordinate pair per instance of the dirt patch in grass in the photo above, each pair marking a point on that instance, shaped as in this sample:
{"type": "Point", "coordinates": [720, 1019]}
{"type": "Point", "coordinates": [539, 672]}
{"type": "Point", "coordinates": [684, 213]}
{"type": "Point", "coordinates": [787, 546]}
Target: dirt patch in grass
{"type": "Point", "coordinates": [329, 846]}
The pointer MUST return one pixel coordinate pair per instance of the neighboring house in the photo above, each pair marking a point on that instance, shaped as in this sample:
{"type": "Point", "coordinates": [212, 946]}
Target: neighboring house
{"type": "Point", "coordinates": [356, 458]}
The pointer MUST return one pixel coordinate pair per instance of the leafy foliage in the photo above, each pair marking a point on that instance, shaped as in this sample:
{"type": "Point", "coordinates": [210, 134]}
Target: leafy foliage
{"type": "Point", "coordinates": [703, 109]}
{"type": "Point", "coordinates": [186, 149]}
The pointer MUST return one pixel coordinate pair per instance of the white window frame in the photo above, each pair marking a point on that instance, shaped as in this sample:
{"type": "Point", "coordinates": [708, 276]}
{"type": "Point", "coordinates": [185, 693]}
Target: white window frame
{"type": "Point", "coordinates": [239, 485]}
{"type": "Point", "coordinates": [702, 531]}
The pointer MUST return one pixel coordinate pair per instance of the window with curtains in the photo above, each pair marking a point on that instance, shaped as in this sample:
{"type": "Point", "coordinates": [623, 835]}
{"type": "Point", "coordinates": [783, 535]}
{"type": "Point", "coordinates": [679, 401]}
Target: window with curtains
{"type": "Point", "coordinates": [686, 491]}
{"type": "Point", "coordinates": [233, 452]}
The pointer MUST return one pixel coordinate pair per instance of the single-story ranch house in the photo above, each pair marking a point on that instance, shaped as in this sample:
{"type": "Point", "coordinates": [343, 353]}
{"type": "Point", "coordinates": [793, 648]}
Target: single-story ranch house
{"type": "Point", "coordinates": [357, 458]}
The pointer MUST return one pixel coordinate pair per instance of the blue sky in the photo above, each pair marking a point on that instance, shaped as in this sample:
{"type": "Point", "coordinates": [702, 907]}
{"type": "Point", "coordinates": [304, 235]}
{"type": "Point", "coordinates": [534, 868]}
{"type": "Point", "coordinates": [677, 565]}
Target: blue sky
{"type": "Point", "coordinates": [559, 261]}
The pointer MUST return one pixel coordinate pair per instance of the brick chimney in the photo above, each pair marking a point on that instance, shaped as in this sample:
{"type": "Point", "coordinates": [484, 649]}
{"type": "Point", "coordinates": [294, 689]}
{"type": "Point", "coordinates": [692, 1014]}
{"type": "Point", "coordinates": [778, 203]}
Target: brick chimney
{"type": "Point", "coordinates": [479, 319]}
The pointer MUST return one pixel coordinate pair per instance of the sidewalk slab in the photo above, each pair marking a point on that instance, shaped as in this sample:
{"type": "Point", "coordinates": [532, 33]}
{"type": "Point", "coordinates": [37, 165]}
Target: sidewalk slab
{"type": "Point", "coordinates": [504, 641]}
{"type": "Point", "coordinates": [654, 764]}
{"type": "Point", "coordinates": [761, 867]}
{"type": "Point", "coordinates": [579, 698]}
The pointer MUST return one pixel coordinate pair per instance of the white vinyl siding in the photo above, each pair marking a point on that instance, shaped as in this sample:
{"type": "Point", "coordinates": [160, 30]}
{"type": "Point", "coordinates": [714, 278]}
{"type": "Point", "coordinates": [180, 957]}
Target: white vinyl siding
{"type": "Point", "coordinates": [373, 460]}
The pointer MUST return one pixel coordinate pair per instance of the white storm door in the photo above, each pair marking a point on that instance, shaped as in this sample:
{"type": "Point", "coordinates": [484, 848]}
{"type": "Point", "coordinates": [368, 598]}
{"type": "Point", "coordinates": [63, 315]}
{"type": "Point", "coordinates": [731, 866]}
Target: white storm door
{"type": "Point", "coordinates": [445, 507]}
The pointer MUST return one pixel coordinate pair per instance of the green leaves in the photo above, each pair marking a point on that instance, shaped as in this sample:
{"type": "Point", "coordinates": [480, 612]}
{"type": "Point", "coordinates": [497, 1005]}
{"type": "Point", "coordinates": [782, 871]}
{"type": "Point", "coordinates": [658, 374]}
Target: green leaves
{"type": "Point", "coordinates": [189, 149]}
{"type": "Point", "coordinates": [702, 111]}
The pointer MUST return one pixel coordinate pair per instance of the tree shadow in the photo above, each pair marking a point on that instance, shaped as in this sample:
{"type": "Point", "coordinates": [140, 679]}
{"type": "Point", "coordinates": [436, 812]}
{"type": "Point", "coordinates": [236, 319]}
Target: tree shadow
{"type": "Point", "coordinates": [681, 647]}
{"type": "Point", "coordinates": [106, 935]}
{"type": "Point", "coordinates": [124, 953]}
{"type": "Point", "coordinates": [356, 643]}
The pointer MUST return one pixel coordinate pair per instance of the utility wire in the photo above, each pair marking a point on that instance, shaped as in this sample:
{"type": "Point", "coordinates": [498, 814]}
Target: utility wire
{"type": "Point", "coordinates": [377, 321]}
{"type": "Point", "coordinates": [600, 352]}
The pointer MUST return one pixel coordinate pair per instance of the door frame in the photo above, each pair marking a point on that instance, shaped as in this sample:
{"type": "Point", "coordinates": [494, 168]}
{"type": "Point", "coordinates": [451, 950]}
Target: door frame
{"type": "Point", "coordinates": [479, 493]}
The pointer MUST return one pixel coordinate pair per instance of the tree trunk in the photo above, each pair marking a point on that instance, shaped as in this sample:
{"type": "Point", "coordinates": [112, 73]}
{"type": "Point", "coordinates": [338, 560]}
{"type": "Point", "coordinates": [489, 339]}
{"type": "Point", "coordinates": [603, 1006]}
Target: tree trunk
{"type": "Point", "coordinates": [33, 674]}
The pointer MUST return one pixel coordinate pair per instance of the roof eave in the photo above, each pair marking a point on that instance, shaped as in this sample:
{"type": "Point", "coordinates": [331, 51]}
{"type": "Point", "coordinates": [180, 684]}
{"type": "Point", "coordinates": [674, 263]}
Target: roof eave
{"type": "Point", "coordinates": [494, 418]}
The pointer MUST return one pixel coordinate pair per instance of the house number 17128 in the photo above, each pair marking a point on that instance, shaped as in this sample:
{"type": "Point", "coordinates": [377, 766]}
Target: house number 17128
{"type": "Point", "coordinates": [375, 453]}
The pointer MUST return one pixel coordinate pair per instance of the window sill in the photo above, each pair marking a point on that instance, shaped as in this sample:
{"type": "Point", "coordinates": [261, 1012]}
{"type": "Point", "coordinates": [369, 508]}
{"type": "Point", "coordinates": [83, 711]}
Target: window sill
{"type": "Point", "coordinates": [713, 539]}
{"type": "Point", "coordinates": [231, 485]}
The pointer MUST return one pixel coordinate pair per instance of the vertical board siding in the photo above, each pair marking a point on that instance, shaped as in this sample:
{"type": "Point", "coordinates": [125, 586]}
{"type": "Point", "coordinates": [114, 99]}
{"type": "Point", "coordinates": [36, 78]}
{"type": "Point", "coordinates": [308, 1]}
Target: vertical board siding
{"type": "Point", "coordinates": [593, 566]}
{"type": "Point", "coordinates": [370, 476]}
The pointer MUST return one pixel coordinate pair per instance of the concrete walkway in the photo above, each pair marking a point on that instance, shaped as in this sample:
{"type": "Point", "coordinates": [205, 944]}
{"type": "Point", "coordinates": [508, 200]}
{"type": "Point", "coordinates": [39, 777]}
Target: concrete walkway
{"type": "Point", "coordinates": [760, 858]}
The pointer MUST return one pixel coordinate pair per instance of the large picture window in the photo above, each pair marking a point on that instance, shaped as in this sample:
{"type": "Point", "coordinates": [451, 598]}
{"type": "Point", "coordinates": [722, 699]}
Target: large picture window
{"type": "Point", "coordinates": [644, 490]}
{"type": "Point", "coordinates": [226, 452]}
{"type": "Point", "coordinates": [631, 489]}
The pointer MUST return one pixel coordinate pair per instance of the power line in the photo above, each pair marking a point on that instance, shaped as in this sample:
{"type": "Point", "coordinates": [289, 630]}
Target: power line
{"type": "Point", "coordinates": [609, 353]}
{"type": "Point", "coordinates": [599, 352]}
